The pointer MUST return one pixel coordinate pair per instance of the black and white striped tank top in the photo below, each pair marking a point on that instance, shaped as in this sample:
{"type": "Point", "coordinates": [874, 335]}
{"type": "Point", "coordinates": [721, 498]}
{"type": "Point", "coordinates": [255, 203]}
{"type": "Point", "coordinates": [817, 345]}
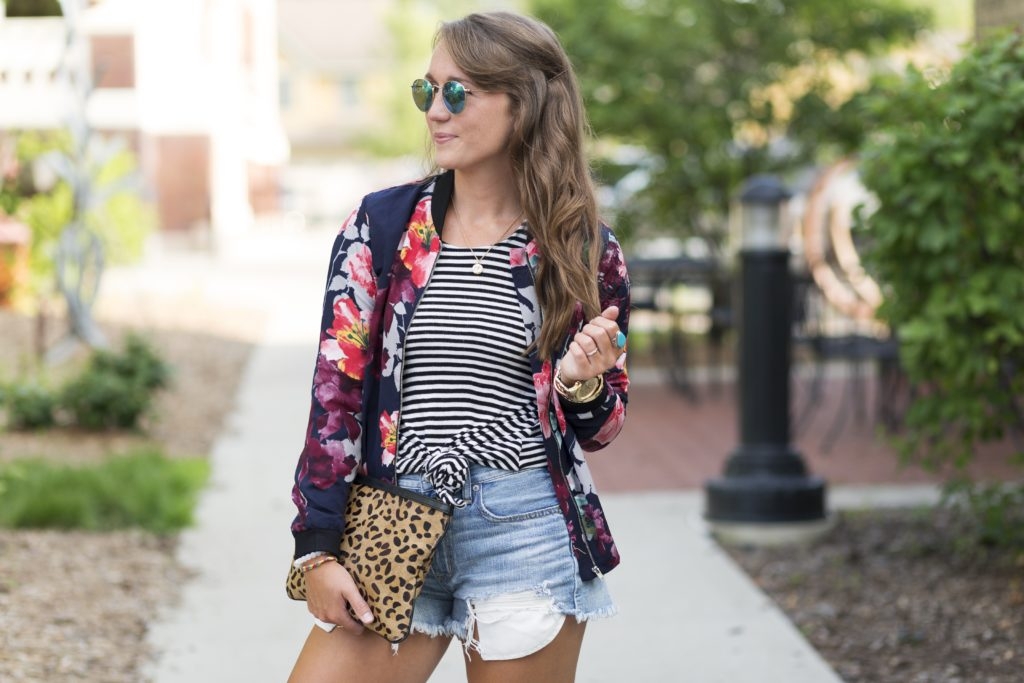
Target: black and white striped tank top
{"type": "Point", "coordinates": [467, 386]}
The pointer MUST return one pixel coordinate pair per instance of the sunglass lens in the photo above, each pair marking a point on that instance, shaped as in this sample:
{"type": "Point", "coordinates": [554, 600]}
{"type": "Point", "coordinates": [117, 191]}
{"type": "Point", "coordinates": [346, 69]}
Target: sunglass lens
{"type": "Point", "coordinates": [454, 95]}
{"type": "Point", "coordinates": [422, 94]}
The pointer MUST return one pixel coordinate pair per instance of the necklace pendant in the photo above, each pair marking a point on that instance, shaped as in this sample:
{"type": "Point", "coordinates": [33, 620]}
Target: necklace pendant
{"type": "Point", "coordinates": [478, 268]}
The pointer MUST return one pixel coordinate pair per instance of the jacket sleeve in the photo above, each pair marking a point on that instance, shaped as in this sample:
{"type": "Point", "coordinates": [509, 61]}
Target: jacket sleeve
{"type": "Point", "coordinates": [597, 422]}
{"type": "Point", "coordinates": [332, 450]}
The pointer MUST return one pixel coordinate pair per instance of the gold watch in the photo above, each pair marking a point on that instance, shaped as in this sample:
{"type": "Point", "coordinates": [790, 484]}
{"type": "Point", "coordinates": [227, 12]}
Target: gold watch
{"type": "Point", "coordinates": [580, 391]}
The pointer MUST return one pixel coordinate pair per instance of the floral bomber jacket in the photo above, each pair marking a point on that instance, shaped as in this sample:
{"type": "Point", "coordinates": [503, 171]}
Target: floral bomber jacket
{"type": "Point", "coordinates": [356, 395]}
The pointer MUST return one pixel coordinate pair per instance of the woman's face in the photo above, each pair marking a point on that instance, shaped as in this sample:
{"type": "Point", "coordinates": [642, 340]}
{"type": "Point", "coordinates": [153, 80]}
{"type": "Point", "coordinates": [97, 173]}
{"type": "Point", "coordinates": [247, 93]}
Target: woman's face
{"type": "Point", "coordinates": [476, 137]}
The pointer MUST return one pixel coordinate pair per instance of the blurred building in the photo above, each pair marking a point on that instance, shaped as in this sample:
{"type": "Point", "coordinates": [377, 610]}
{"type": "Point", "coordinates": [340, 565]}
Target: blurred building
{"type": "Point", "coordinates": [991, 15]}
{"type": "Point", "coordinates": [191, 84]}
{"type": "Point", "coordinates": [345, 66]}
{"type": "Point", "coordinates": [335, 57]}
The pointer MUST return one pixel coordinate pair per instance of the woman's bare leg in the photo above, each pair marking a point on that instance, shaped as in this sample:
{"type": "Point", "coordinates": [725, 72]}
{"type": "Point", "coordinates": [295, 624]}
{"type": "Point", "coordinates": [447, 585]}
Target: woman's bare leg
{"type": "Point", "coordinates": [341, 657]}
{"type": "Point", "coordinates": [555, 663]}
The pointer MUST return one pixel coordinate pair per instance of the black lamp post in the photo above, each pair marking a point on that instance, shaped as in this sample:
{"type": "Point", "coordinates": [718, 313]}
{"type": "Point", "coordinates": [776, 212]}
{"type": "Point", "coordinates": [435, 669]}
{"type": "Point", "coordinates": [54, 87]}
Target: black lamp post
{"type": "Point", "coordinates": [765, 479]}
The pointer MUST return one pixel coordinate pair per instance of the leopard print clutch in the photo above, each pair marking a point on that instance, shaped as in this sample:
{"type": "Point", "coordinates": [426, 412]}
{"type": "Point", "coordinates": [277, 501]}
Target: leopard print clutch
{"type": "Point", "coordinates": [389, 540]}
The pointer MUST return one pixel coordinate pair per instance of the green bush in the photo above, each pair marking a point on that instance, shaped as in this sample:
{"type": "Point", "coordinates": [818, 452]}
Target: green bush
{"type": "Point", "coordinates": [116, 389]}
{"type": "Point", "coordinates": [29, 406]}
{"type": "Point", "coordinates": [142, 490]}
{"type": "Point", "coordinates": [994, 513]}
{"type": "Point", "coordinates": [101, 400]}
{"type": "Point", "coordinates": [137, 362]}
{"type": "Point", "coordinates": [945, 243]}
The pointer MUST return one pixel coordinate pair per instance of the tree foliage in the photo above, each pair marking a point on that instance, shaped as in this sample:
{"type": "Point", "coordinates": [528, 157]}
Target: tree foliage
{"type": "Point", "coordinates": [946, 245]}
{"type": "Point", "coordinates": [716, 90]}
{"type": "Point", "coordinates": [33, 8]}
{"type": "Point", "coordinates": [121, 220]}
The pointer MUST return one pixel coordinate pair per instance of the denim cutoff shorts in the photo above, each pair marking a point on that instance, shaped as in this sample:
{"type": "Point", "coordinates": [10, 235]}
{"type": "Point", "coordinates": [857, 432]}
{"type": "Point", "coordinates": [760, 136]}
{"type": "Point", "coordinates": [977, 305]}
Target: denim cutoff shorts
{"type": "Point", "coordinates": [504, 578]}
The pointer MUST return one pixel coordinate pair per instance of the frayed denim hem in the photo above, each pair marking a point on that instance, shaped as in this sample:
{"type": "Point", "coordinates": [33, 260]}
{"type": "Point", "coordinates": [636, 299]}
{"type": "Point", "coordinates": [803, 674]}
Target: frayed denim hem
{"type": "Point", "coordinates": [451, 629]}
{"type": "Point", "coordinates": [603, 613]}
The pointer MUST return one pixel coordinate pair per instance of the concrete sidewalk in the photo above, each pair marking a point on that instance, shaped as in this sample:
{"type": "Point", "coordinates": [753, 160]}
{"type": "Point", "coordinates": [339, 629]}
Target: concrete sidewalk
{"type": "Point", "coordinates": [687, 613]}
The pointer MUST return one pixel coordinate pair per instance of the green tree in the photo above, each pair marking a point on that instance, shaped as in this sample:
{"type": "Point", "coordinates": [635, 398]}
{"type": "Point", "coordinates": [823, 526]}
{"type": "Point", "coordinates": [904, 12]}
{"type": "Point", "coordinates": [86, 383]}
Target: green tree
{"type": "Point", "coordinates": [121, 220]}
{"type": "Point", "coordinates": [33, 8]}
{"type": "Point", "coordinates": [946, 246]}
{"type": "Point", "coordinates": [716, 90]}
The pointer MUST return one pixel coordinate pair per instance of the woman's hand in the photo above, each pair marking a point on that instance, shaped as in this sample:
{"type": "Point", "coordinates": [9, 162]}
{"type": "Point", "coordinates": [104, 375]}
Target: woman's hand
{"type": "Point", "coordinates": [329, 589]}
{"type": "Point", "coordinates": [594, 349]}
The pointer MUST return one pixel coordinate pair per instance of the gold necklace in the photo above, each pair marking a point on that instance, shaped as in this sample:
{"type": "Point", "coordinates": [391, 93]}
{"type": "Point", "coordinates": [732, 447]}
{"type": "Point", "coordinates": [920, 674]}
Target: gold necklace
{"type": "Point", "coordinates": [478, 267]}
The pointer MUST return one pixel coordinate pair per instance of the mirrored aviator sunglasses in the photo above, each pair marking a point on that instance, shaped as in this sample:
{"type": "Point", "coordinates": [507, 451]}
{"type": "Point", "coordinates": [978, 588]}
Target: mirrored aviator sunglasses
{"type": "Point", "coordinates": [453, 94]}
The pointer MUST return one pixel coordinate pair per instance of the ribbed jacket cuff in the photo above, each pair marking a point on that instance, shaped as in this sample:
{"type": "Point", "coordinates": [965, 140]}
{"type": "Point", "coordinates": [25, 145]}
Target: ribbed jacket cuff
{"type": "Point", "coordinates": [317, 540]}
{"type": "Point", "coordinates": [592, 404]}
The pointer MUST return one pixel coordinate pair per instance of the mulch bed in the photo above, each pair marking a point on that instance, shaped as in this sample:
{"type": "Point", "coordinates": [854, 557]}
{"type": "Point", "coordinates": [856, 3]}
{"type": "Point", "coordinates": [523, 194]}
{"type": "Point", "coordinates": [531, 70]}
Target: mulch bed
{"type": "Point", "coordinates": [900, 596]}
{"type": "Point", "coordinates": [74, 606]}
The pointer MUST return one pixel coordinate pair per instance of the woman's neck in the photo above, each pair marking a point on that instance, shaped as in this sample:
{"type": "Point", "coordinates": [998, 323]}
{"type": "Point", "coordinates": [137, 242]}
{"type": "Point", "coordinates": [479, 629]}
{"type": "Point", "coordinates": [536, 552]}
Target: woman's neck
{"type": "Point", "coordinates": [484, 206]}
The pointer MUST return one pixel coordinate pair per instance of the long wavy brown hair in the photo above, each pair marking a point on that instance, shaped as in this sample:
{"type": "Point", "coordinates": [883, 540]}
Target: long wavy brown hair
{"type": "Point", "coordinates": [522, 57]}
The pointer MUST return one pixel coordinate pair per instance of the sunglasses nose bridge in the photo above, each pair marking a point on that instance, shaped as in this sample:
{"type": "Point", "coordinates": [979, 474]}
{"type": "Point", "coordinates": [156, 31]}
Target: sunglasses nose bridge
{"type": "Point", "coordinates": [437, 99]}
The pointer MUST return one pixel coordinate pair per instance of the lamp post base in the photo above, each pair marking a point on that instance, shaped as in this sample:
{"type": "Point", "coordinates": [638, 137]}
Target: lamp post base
{"type": "Point", "coordinates": [766, 499]}
{"type": "Point", "coordinates": [771, 535]}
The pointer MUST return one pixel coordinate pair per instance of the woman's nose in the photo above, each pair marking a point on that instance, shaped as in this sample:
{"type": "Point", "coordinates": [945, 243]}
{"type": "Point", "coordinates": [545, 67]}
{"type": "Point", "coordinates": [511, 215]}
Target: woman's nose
{"type": "Point", "coordinates": [437, 109]}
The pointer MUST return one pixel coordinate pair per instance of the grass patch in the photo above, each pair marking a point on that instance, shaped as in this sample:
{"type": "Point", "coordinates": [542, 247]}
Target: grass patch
{"type": "Point", "coordinates": [143, 490]}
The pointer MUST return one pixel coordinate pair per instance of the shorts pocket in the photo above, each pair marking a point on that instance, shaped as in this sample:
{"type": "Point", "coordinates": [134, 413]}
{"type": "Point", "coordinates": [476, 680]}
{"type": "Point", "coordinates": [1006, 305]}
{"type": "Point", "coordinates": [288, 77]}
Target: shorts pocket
{"type": "Point", "coordinates": [525, 495]}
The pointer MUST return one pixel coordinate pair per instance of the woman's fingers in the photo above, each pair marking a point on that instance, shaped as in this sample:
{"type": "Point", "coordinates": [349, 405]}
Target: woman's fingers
{"type": "Point", "coordinates": [596, 348]}
{"type": "Point", "coordinates": [358, 605]}
{"type": "Point", "coordinates": [330, 591]}
{"type": "Point", "coordinates": [607, 322]}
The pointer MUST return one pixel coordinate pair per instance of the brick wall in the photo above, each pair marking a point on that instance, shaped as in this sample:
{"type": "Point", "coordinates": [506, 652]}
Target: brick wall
{"type": "Point", "coordinates": [995, 14]}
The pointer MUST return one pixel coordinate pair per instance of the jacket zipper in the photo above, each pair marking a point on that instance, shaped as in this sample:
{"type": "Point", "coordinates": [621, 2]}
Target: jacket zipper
{"type": "Point", "coordinates": [579, 518]}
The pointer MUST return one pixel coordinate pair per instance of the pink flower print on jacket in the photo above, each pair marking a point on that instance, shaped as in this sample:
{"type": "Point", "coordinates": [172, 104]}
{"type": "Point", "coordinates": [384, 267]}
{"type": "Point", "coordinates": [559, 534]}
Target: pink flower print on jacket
{"type": "Point", "coordinates": [533, 253]}
{"type": "Point", "coordinates": [348, 338]}
{"type": "Point", "coordinates": [542, 384]}
{"type": "Point", "coordinates": [389, 436]}
{"type": "Point", "coordinates": [327, 462]}
{"type": "Point", "coordinates": [340, 404]}
{"type": "Point", "coordinates": [361, 281]}
{"type": "Point", "coordinates": [612, 269]}
{"type": "Point", "coordinates": [597, 528]}
{"type": "Point", "coordinates": [419, 255]}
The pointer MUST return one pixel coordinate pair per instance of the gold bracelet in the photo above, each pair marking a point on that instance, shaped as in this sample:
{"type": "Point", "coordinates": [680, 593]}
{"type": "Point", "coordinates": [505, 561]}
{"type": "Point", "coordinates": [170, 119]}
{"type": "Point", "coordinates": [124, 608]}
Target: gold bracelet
{"type": "Point", "coordinates": [598, 384]}
{"type": "Point", "coordinates": [316, 562]}
{"type": "Point", "coordinates": [581, 391]}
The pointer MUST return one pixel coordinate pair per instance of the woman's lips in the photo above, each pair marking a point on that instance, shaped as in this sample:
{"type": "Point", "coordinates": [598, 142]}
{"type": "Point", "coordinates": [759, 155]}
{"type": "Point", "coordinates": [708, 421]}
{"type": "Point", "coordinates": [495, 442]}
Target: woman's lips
{"type": "Point", "coordinates": [441, 138]}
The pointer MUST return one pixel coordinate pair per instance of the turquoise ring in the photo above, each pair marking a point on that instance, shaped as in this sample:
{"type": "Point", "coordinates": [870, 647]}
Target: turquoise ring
{"type": "Point", "coordinates": [620, 341]}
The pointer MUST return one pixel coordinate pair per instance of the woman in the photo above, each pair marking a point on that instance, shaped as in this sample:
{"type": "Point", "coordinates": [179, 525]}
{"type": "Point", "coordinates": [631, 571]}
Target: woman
{"type": "Point", "coordinates": [517, 289]}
